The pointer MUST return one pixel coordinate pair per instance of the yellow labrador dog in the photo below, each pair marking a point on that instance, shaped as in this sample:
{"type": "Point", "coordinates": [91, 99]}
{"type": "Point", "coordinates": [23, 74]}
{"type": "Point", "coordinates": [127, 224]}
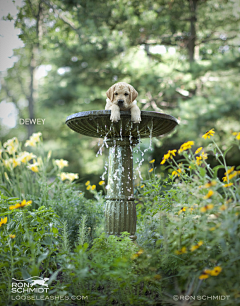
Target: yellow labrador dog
{"type": "Point", "coordinates": [121, 96]}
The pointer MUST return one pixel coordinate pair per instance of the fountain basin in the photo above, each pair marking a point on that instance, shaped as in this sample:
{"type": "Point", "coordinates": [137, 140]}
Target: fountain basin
{"type": "Point", "coordinates": [97, 124]}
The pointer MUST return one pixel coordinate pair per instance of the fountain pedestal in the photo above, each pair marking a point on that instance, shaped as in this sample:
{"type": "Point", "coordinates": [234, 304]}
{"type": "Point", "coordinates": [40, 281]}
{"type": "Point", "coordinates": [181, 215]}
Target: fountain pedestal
{"type": "Point", "coordinates": [120, 210]}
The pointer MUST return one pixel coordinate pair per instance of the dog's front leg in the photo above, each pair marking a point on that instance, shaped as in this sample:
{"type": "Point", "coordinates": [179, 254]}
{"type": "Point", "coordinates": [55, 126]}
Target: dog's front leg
{"type": "Point", "coordinates": [135, 114]}
{"type": "Point", "coordinates": [115, 113]}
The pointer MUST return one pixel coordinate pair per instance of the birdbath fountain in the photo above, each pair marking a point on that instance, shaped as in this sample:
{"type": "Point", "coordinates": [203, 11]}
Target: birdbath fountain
{"type": "Point", "coordinates": [121, 137]}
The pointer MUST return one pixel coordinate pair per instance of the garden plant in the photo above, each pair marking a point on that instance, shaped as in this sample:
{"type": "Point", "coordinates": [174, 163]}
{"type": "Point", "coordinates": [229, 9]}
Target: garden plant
{"type": "Point", "coordinates": [188, 245]}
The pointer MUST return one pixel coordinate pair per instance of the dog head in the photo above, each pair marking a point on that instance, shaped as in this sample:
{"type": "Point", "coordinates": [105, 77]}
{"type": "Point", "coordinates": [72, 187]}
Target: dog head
{"type": "Point", "coordinates": [122, 94]}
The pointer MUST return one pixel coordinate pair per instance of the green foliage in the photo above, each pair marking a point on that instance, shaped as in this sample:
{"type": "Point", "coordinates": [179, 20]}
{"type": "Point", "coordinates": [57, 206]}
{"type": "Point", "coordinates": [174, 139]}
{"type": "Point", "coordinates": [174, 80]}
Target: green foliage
{"type": "Point", "coordinates": [29, 242]}
{"type": "Point", "coordinates": [188, 236]}
{"type": "Point", "coordinates": [192, 228]}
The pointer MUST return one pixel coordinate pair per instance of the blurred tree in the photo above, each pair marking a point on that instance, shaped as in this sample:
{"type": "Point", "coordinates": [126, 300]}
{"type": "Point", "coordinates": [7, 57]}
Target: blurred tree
{"type": "Point", "coordinates": [182, 57]}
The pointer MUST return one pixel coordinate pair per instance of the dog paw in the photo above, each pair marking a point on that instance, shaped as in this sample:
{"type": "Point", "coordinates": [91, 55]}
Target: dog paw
{"type": "Point", "coordinates": [136, 119]}
{"type": "Point", "coordinates": [115, 118]}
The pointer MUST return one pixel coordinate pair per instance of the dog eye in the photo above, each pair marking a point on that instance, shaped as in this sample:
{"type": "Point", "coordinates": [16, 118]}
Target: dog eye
{"type": "Point", "coordinates": [116, 94]}
{"type": "Point", "coordinates": [126, 94]}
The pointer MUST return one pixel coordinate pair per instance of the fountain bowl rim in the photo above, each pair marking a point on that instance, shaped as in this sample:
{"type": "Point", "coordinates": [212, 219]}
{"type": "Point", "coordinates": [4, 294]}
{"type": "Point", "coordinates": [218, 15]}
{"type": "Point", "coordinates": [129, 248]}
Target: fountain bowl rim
{"type": "Point", "coordinates": [103, 113]}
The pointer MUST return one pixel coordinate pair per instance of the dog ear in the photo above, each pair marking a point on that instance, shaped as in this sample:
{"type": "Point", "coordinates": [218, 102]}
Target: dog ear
{"type": "Point", "coordinates": [110, 92]}
{"type": "Point", "coordinates": [133, 93]}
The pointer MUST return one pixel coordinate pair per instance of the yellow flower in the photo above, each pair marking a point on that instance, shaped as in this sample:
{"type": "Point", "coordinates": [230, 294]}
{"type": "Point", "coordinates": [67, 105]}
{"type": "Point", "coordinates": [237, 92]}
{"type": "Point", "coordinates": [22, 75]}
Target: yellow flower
{"type": "Point", "coordinates": [182, 209]}
{"type": "Point", "coordinates": [216, 271]}
{"type": "Point", "coordinates": [61, 163]}
{"type": "Point", "coordinates": [163, 161]}
{"type": "Point", "coordinates": [206, 207]}
{"type": "Point", "coordinates": [228, 185]}
{"type": "Point", "coordinates": [33, 167]}
{"type": "Point", "coordinates": [223, 207]}
{"type": "Point", "coordinates": [182, 251]}
{"type": "Point", "coordinates": [232, 175]}
{"type": "Point", "coordinates": [152, 161]}
{"type": "Point", "coordinates": [198, 159]}
{"type": "Point", "coordinates": [212, 228]}
{"type": "Point", "coordinates": [19, 205]}
{"type": "Point", "coordinates": [177, 172]}
{"type": "Point", "coordinates": [142, 186]}
{"type": "Point", "coordinates": [209, 194]}
{"type": "Point", "coordinates": [68, 176]}
{"type": "Point", "coordinates": [36, 136]}
{"type": "Point", "coordinates": [11, 145]}
{"type": "Point", "coordinates": [32, 142]}
{"type": "Point", "coordinates": [137, 254]}
{"type": "Point", "coordinates": [15, 162]}
{"type": "Point", "coordinates": [11, 162]}
{"type": "Point", "coordinates": [88, 187]}
{"type": "Point", "coordinates": [24, 157]}
{"type": "Point", "coordinates": [11, 142]}
{"type": "Point", "coordinates": [157, 276]}
{"type": "Point", "coordinates": [3, 221]}
{"type": "Point", "coordinates": [11, 150]}
{"type": "Point", "coordinates": [169, 154]}
{"type": "Point", "coordinates": [237, 134]}
{"type": "Point", "coordinates": [172, 153]}
{"type": "Point", "coordinates": [203, 276]}
{"type": "Point", "coordinates": [208, 134]}
{"type": "Point", "coordinates": [150, 170]}
{"type": "Point", "coordinates": [101, 183]}
{"type": "Point", "coordinates": [72, 176]}
{"type": "Point", "coordinates": [93, 187]}
{"type": "Point", "coordinates": [229, 170]}
{"type": "Point", "coordinates": [63, 176]}
{"type": "Point", "coordinates": [196, 246]}
{"type": "Point", "coordinates": [224, 179]}
{"type": "Point", "coordinates": [213, 183]}
{"type": "Point", "coordinates": [198, 150]}
{"type": "Point", "coordinates": [204, 155]}
{"type": "Point", "coordinates": [12, 236]}
{"type": "Point", "coordinates": [185, 146]}
{"type": "Point", "coordinates": [87, 183]}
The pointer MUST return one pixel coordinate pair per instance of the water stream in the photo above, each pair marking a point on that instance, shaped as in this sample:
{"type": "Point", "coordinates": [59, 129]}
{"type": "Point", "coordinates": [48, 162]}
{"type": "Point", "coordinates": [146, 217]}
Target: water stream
{"type": "Point", "coordinates": [136, 150]}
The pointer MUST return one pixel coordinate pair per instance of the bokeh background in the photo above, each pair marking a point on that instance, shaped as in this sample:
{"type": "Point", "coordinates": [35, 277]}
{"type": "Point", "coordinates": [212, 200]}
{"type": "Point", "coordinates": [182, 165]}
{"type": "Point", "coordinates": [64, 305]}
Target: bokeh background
{"type": "Point", "coordinates": [182, 56]}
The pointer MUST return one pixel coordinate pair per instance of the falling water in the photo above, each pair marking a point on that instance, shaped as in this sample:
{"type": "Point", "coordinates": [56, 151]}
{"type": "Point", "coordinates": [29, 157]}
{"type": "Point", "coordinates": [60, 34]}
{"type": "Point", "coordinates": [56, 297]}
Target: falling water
{"type": "Point", "coordinates": [138, 162]}
{"type": "Point", "coordinates": [105, 170]}
{"type": "Point", "coordinates": [111, 131]}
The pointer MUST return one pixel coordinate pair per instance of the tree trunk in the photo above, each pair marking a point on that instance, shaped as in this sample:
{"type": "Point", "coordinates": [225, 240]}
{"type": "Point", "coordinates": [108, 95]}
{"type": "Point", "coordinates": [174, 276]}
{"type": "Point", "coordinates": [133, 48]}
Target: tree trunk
{"type": "Point", "coordinates": [192, 38]}
{"type": "Point", "coordinates": [32, 68]}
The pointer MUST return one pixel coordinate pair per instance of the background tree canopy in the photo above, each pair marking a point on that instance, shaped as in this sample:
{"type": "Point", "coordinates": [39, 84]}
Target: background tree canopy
{"type": "Point", "coordinates": [182, 56]}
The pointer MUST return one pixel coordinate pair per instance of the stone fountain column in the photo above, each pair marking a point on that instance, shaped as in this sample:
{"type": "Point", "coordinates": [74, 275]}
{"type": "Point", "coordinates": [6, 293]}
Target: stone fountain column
{"type": "Point", "coordinates": [120, 210]}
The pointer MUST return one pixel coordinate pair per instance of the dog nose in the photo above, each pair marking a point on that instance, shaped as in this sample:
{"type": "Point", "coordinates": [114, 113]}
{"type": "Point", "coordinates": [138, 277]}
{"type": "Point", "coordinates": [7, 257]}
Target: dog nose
{"type": "Point", "coordinates": [120, 102]}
